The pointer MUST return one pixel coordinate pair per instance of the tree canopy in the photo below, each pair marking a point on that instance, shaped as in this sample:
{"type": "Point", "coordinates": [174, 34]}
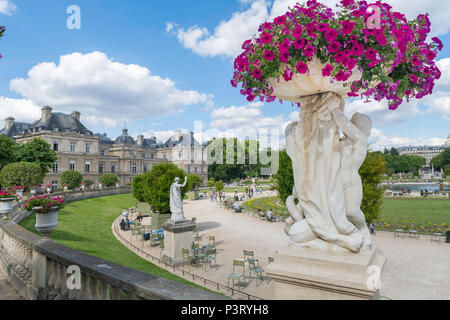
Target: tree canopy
{"type": "Point", "coordinates": [72, 178]}
{"type": "Point", "coordinates": [23, 174]}
{"type": "Point", "coordinates": [194, 182]}
{"type": "Point", "coordinates": [442, 161]}
{"type": "Point", "coordinates": [7, 151]}
{"type": "Point", "coordinates": [402, 163]}
{"type": "Point", "coordinates": [36, 151]}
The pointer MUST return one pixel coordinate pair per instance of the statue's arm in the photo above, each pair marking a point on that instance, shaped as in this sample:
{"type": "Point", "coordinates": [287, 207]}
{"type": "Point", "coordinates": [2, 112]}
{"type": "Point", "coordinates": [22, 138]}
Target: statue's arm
{"type": "Point", "coordinates": [349, 129]}
{"type": "Point", "coordinates": [185, 182]}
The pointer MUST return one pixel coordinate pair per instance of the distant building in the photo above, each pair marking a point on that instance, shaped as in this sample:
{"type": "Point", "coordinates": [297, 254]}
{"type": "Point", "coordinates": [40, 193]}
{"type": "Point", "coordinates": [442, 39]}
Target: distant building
{"type": "Point", "coordinates": [78, 149]}
{"type": "Point", "coordinates": [427, 152]}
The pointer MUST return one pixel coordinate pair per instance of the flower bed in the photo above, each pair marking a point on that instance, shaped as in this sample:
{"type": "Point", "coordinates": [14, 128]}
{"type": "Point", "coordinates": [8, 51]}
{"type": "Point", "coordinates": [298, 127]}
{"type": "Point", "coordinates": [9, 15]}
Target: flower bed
{"type": "Point", "coordinates": [264, 204]}
{"type": "Point", "coordinates": [421, 226]}
{"type": "Point", "coordinates": [389, 61]}
{"type": "Point", "coordinates": [7, 195]}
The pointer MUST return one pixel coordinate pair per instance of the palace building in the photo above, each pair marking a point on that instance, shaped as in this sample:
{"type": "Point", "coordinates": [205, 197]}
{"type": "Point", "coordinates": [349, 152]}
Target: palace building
{"type": "Point", "coordinates": [79, 149]}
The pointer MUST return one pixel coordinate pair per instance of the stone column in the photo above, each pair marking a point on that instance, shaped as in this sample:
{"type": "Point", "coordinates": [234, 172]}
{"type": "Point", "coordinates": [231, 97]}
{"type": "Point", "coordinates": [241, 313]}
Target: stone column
{"type": "Point", "coordinates": [178, 235]}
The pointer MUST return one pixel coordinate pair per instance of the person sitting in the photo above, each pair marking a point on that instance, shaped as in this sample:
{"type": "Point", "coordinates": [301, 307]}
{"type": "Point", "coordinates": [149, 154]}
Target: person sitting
{"type": "Point", "coordinates": [270, 216]}
{"type": "Point", "coordinates": [261, 214]}
{"type": "Point", "coordinates": [237, 208]}
{"type": "Point", "coordinates": [139, 217]}
{"type": "Point", "coordinates": [447, 234]}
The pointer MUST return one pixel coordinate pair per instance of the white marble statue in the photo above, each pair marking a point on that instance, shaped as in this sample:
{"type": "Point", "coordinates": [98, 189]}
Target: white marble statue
{"type": "Point", "coordinates": [327, 186]}
{"type": "Point", "coordinates": [176, 201]}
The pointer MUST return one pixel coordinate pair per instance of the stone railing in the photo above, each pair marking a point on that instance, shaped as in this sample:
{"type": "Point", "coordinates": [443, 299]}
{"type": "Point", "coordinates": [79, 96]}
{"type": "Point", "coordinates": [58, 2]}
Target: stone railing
{"type": "Point", "coordinates": [40, 269]}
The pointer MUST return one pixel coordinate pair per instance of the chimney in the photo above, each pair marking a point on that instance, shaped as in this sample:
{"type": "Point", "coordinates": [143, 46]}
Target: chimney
{"type": "Point", "coordinates": [76, 115]}
{"type": "Point", "coordinates": [192, 139]}
{"type": "Point", "coordinates": [9, 123]}
{"type": "Point", "coordinates": [177, 135]}
{"type": "Point", "coordinates": [104, 134]}
{"type": "Point", "coordinates": [46, 113]}
{"type": "Point", "coordinates": [153, 138]}
{"type": "Point", "coordinates": [140, 140]}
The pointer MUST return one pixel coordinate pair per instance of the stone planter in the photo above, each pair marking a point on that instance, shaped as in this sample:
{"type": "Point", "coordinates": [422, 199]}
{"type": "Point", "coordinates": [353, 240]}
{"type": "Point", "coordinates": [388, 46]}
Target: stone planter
{"type": "Point", "coordinates": [46, 223]}
{"type": "Point", "coordinates": [6, 207]}
{"type": "Point", "coordinates": [49, 190]}
{"type": "Point", "coordinates": [19, 193]}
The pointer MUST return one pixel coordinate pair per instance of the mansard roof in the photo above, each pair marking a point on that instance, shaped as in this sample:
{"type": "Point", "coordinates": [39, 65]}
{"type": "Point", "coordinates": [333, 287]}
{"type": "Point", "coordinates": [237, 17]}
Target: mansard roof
{"type": "Point", "coordinates": [61, 122]}
{"type": "Point", "coordinates": [17, 129]}
{"type": "Point", "coordinates": [182, 140]}
{"type": "Point", "coordinates": [125, 138]}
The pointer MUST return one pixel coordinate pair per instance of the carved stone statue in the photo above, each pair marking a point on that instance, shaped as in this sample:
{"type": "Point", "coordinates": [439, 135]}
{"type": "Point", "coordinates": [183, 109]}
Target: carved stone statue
{"type": "Point", "coordinates": [327, 188]}
{"type": "Point", "coordinates": [176, 201]}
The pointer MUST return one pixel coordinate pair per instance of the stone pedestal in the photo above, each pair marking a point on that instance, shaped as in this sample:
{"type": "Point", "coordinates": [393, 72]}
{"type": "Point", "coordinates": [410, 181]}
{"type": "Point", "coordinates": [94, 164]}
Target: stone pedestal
{"type": "Point", "coordinates": [178, 235]}
{"type": "Point", "coordinates": [309, 274]}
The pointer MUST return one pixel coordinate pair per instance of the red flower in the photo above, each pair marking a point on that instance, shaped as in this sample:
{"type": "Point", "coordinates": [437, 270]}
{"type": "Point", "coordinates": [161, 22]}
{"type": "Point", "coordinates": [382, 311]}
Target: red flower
{"type": "Point", "coordinates": [347, 27]}
{"type": "Point", "coordinates": [334, 47]}
{"type": "Point", "coordinates": [371, 54]}
{"type": "Point", "coordinates": [268, 55]}
{"type": "Point", "coordinates": [284, 56]}
{"type": "Point", "coordinates": [326, 72]}
{"type": "Point", "coordinates": [266, 38]}
{"type": "Point", "coordinates": [331, 35]}
{"type": "Point", "coordinates": [257, 74]}
{"type": "Point", "coordinates": [340, 57]}
{"type": "Point", "coordinates": [322, 27]}
{"type": "Point", "coordinates": [280, 20]}
{"type": "Point", "coordinates": [299, 43]}
{"type": "Point", "coordinates": [301, 67]}
{"type": "Point", "coordinates": [357, 49]}
{"type": "Point", "coordinates": [297, 32]}
{"type": "Point", "coordinates": [309, 51]}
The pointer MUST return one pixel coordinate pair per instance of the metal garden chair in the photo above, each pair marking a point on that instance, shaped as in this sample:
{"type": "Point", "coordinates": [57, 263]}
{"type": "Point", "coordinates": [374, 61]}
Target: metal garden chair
{"type": "Point", "coordinates": [237, 274]}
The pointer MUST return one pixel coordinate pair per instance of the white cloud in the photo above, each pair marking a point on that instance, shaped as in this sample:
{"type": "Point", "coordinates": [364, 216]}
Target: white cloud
{"type": "Point", "coordinates": [161, 136]}
{"type": "Point", "coordinates": [378, 141]}
{"type": "Point", "coordinates": [228, 36]}
{"type": "Point", "coordinates": [7, 7]}
{"type": "Point", "coordinates": [103, 90]}
{"type": "Point", "coordinates": [21, 110]}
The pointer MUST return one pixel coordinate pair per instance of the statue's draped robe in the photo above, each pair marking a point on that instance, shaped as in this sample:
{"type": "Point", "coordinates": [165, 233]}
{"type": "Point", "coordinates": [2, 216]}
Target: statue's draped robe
{"type": "Point", "coordinates": [313, 146]}
{"type": "Point", "coordinates": [176, 203]}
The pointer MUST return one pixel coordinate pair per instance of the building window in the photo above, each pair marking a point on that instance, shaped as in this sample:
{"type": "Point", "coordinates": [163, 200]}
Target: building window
{"type": "Point", "coordinates": [133, 168]}
{"type": "Point", "coordinates": [196, 169]}
{"type": "Point", "coordinates": [55, 166]}
{"type": "Point", "coordinates": [73, 146]}
{"type": "Point", "coordinates": [102, 152]}
{"type": "Point", "coordinates": [165, 156]}
{"type": "Point", "coordinates": [100, 168]}
{"type": "Point", "coordinates": [72, 166]}
{"type": "Point", "coordinates": [113, 168]}
{"type": "Point", "coordinates": [189, 168]}
{"type": "Point", "coordinates": [143, 155]}
{"type": "Point", "coordinates": [145, 168]}
{"type": "Point", "coordinates": [153, 156]}
{"type": "Point", "coordinates": [55, 185]}
{"type": "Point", "coordinates": [55, 146]}
{"type": "Point", "coordinates": [88, 148]}
{"type": "Point", "coordinates": [87, 167]}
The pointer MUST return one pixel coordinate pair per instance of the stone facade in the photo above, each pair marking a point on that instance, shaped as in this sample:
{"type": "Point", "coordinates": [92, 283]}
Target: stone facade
{"type": "Point", "coordinates": [427, 152]}
{"type": "Point", "coordinates": [78, 149]}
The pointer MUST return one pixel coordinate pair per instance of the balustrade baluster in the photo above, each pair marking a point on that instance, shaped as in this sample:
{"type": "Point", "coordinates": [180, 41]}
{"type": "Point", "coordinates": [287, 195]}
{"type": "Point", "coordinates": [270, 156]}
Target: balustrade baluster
{"type": "Point", "coordinates": [105, 291]}
{"type": "Point", "coordinates": [85, 293]}
{"type": "Point", "coordinates": [115, 293]}
{"type": "Point", "coordinates": [95, 288]}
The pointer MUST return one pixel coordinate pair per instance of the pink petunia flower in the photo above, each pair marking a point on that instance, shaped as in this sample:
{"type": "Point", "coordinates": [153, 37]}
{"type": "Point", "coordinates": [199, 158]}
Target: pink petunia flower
{"type": "Point", "coordinates": [301, 67]}
{"type": "Point", "coordinates": [309, 51]}
{"type": "Point", "coordinates": [266, 38]}
{"type": "Point", "coordinates": [331, 35]}
{"type": "Point", "coordinates": [299, 43]}
{"type": "Point", "coordinates": [297, 32]}
{"type": "Point", "coordinates": [280, 20]}
{"type": "Point", "coordinates": [347, 27]}
{"type": "Point", "coordinates": [284, 56]}
{"type": "Point", "coordinates": [326, 72]}
{"type": "Point", "coordinates": [268, 55]}
{"type": "Point", "coordinates": [371, 54]}
{"type": "Point", "coordinates": [334, 47]}
{"type": "Point", "coordinates": [257, 74]}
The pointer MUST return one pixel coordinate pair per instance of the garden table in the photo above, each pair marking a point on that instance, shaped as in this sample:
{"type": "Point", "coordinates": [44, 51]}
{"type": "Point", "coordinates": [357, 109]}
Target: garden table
{"type": "Point", "coordinates": [399, 233]}
{"type": "Point", "coordinates": [414, 234]}
{"type": "Point", "coordinates": [436, 237]}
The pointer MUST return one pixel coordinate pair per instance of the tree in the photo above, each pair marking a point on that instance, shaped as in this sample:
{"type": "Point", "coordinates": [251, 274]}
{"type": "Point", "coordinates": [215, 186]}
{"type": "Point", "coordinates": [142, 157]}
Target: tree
{"type": "Point", "coordinates": [23, 174]}
{"type": "Point", "coordinates": [157, 187]}
{"type": "Point", "coordinates": [442, 160]}
{"type": "Point", "coordinates": [390, 172]}
{"type": "Point", "coordinates": [72, 178]}
{"type": "Point", "coordinates": [139, 183]}
{"type": "Point", "coordinates": [194, 182]}
{"type": "Point", "coordinates": [394, 152]}
{"type": "Point", "coordinates": [37, 151]}
{"type": "Point", "coordinates": [7, 152]}
{"type": "Point", "coordinates": [88, 183]}
{"type": "Point", "coordinates": [219, 186]}
{"type": "Point", "coordinates": [284, 179]}
{"type": "Point", "coordinates": [211, 183]}
{"type": "Point", "coordinates": [108, 179]}
{"type": "Point", "coordinates": [371, 172]}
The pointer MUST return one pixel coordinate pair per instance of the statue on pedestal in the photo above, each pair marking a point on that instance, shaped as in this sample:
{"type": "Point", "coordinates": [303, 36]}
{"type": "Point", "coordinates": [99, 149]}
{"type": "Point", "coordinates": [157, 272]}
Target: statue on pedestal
{"type": "Point", "coordinates": [176, 201]}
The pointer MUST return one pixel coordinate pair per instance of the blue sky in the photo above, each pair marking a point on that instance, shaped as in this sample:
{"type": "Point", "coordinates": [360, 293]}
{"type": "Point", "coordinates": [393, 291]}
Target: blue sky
{"type": "Point", "coordinates": [162, 65]}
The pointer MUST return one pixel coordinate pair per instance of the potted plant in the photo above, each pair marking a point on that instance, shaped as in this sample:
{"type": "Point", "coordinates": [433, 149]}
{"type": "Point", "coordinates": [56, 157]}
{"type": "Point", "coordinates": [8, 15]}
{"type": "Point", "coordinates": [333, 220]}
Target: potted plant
{"type": "Point", "coordinates": [7, 199]}
{"type": "Point", "coordinates": [34, 190]}
{"type": "Point", "coordinates": [49, 188]}
{"type": "Point", "coordinates": [18, 191]}
{"type": "Point", "coordinates": [46, 209]}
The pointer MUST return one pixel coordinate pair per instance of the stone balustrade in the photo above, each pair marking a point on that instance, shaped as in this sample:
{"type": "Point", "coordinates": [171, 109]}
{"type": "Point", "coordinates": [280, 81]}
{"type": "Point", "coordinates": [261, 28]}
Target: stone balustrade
{"type": "Point", "coordinates": [40, 269]}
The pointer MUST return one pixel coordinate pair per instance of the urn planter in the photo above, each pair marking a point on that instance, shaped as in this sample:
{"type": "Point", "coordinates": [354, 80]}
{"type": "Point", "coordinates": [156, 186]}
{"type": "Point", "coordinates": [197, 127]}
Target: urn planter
{"type": "Point", "coordinates": [6, 206]}
{"type": "Point", "coordinates": [46, 222]}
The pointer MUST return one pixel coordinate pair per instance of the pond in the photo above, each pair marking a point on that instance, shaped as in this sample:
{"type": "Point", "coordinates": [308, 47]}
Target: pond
{"type": "Point", "coordinates": [417, 187]}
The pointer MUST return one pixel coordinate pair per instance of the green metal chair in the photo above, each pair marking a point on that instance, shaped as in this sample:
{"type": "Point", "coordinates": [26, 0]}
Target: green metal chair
{"type": "Point", "coordinates": [211, 240]}
{"type": "Point", "coordinates": [187, 258]}
{"type": "Point", "coordinates": [237, 274]}
{"type": "Point", "coordinates": [135, 232]}
{"type": "Point", "coordinates": [249, 256]}
{"type": "Point", "coordinates": [254, 267]}
{"type": "Point", "coordinates": [211, 255]}
{"type": "Point", "coordinates": [155, 239]}
{"type": "Point", "coordinates": [271, 260]}
{"type": "Point", "coordinates": [161, 246]}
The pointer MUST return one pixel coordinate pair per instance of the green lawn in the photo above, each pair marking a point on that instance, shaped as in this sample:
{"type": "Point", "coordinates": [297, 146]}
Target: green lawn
{"type": "Point", "coordinates": [86, 226]}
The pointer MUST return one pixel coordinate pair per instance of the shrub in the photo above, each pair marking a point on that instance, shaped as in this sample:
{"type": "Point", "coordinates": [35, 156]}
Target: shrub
{"type": "Point", "coordinates": [88, 183]}
{"type": "Point", "coordinates": [72, 179]}
{"type": "Point", "coordinates": [23, 174]}
{"type": "Point", "coordinates": [194, 182]}
{"type": "Point", "coordinates": [284, 179]}
{"type": "Point", "coordinates": [157, 187]}
{"type": "Point", "coordinates": [219, 186]}
{"type": "Point", "coordinates": [210, 183]}
{"type": "Point", "coordinates": [108, 179]}
{"type": "Point", "coordinates": [139, 184]}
